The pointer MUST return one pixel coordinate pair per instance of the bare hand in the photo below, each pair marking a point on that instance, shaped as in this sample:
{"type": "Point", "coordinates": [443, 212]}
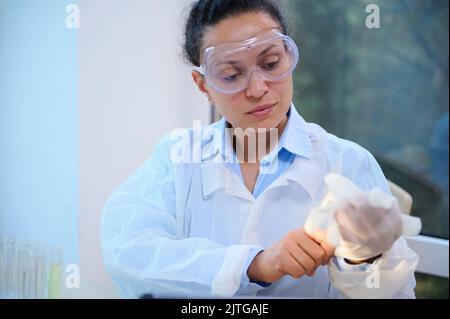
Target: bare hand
{"type": "Point", "coordinates": [296, 255]}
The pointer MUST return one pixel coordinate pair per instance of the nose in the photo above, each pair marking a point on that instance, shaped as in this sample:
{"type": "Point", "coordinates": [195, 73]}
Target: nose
{"type": "Point", "coordinates": [257, 86]}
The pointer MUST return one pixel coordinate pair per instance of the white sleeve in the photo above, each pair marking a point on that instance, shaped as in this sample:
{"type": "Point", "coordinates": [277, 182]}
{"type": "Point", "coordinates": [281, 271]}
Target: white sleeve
{"type": "Point", "coordinates": [141, 250]}
{"type": "Point", "coordinates": [390, 276]}
{"type": "Point", "coordinates": [249, 288]}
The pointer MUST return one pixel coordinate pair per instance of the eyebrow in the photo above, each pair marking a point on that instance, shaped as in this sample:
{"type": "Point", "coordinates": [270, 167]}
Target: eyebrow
{"type": "Point", "coordinates": [232, 62]}
{"type": "Point", "coordinates": [266, 50]}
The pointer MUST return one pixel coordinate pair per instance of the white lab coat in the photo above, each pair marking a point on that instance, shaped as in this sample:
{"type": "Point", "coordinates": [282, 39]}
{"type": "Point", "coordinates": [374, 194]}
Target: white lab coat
{"type": "Point", "coordinates": [190, 230]}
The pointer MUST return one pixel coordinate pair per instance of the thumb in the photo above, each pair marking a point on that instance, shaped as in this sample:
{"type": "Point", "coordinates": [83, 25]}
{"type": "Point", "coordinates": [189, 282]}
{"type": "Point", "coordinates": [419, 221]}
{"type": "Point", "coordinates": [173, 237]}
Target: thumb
{"type": "Point", "coordinates": [320, 237]}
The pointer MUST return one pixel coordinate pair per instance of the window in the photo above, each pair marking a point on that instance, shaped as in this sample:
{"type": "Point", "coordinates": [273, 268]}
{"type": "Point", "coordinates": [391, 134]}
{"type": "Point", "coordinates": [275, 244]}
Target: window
{"type": "Point", "coordinates": [386, 89]}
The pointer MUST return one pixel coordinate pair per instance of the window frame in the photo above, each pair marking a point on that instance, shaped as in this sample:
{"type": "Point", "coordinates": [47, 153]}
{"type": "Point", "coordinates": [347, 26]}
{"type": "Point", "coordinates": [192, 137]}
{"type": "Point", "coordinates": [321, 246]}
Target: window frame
{"type": "Point", "coordinates": [433, 255]}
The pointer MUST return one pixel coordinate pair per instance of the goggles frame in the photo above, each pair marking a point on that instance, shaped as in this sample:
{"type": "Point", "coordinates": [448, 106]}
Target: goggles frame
{"type": "Point", "coordinates": [248, 44]}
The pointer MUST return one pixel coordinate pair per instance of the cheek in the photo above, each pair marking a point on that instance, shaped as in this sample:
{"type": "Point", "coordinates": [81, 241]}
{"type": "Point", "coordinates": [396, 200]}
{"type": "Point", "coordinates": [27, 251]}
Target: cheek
{"type": "Point", "coordinates": [284, 90]}
{"type": "Point", "coordinates": [227, 106]}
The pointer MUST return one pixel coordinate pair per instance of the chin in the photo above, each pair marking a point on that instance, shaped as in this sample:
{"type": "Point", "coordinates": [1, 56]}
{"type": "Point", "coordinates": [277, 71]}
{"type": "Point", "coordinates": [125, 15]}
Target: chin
{"type": "Point", "coordinates": [266, 124]}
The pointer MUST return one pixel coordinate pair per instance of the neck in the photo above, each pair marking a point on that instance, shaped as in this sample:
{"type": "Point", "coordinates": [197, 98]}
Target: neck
{"type": "Point", "coordinates": [252, 145]}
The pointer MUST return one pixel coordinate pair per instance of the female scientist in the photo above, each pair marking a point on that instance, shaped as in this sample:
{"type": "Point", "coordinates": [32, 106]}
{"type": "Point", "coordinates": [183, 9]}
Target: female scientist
{"type": "Point", "coordinates": [230, 223]}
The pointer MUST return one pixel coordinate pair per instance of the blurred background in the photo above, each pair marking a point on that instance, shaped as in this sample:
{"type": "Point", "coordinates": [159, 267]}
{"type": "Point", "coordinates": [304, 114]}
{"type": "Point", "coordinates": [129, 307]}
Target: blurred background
{"type": "Point", "coordinates": [82, 105]}
{"type": "Point", "coordinates": [387, 90]}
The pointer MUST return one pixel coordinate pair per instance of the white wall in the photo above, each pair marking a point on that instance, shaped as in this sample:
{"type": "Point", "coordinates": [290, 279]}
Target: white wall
{"type": "Point", "coordinates": [38, 125]}
{"type": "Point", "coordinates": [134, 87]}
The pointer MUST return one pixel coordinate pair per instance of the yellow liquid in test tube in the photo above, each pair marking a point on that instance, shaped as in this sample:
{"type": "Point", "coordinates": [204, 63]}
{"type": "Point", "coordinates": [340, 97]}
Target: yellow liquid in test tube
{"type": "Point", "coordinates": [54, 281]}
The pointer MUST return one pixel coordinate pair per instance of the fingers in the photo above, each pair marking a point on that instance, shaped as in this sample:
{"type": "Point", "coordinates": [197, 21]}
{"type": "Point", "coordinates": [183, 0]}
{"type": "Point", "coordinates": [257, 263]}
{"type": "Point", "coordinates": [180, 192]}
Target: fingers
{"type": "Point", "coordinates": [311, 247]}
{"type": "Point", "coordinates": [366, 230]}
{"type": "Point", "coordinates": [302, 258]}
{"type": "Point", "coordinates": [320, 236]}
{"type": "Point", "coordinates": [291, 266]}
{"type": "Point", "coordinates": [298, 254]}
{"type": "Point", "coordinates": [346, 225]}
{"type": "Point", "coordinates": [308, 246]}
{"type": "Point", "coordinates": [360, 221]}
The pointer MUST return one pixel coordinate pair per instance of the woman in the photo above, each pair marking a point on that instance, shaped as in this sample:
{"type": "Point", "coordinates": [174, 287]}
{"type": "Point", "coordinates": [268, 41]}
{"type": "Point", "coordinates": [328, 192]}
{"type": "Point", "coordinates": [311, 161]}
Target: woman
{"type": "Point", "coordinates": [229, 222]}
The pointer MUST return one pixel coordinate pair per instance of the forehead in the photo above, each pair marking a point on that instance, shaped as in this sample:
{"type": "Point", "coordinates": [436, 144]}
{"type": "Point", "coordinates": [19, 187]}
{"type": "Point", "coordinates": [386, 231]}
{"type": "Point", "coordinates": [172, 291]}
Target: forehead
{"type": "Point", "coordinates": [238, 28]}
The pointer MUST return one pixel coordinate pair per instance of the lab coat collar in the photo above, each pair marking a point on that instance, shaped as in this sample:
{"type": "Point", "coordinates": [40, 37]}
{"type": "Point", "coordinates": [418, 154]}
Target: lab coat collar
{"type": "Point", "coordinates": [218, 148]}
{"type": "Point", "coordinates": [309, 167]}
{"type": "Point", "coordinates": [295, 137]}
{"type": "Point", "coordinates": [216, 176]}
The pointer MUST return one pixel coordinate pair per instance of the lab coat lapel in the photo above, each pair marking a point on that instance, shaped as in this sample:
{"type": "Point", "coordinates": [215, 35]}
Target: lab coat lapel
{"type": "Point", "coordinates": [309, 173]}
{"type": "Point", "coordinates": [215, 173]}
{"type": "Point", "coordinates": [216, 176]}
{"type": "Point", "coordinates": [237, 188]}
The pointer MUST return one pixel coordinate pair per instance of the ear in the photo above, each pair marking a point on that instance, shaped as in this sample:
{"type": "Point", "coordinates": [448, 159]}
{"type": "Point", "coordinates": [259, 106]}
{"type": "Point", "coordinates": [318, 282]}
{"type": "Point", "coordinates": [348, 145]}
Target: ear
{"type": "Point", "coordinates": [199, 80]}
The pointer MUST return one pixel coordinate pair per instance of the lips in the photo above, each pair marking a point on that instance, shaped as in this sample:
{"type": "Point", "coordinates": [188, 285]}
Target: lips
{"type": "Point", "coordinates": [260, 108]}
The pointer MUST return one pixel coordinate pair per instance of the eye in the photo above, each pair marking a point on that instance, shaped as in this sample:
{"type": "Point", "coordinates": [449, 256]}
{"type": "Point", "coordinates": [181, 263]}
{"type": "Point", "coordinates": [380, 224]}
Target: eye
{"type": "Point", "coordinates": [230, 75]}
{"type": "Point", "coordinates": [271, 63]}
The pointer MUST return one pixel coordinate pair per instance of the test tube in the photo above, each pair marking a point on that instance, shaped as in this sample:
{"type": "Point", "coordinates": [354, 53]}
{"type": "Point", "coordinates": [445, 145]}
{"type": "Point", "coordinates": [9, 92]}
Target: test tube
{"type": "Point", "coordinates": [2, 268]}
{"type": "Point", "coordinates": [20, 270]}
{"type": "Point", "coordinates": [11, 269]}
{"type": "Point", "coordinates": [55, 274]}
{"type": "Point", "coordinates": [27, 272]}
{"type": "Point", "coordinates": [41, 273]}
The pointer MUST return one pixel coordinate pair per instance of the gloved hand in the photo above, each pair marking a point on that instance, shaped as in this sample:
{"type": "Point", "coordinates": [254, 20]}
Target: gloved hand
{"type": "Point", "coordinates": [367, 230]}
{"type": "Point", "coordinates": [360, 224]}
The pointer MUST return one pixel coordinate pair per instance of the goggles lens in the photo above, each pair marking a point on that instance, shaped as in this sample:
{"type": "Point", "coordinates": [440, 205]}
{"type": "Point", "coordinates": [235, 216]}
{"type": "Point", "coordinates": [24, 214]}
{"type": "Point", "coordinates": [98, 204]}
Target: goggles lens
{"type": "Point", "coordinates": [230, 67]}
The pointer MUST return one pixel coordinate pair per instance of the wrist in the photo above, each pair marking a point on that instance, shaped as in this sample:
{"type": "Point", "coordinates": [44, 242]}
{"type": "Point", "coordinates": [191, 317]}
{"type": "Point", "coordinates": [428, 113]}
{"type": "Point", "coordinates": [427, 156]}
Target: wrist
{"type": "Point", "coordinates": [370, 260]}
{"type": "Point", "coordinates": [254, 271]}
{"type": "Point", "coordinates": [261, 270]}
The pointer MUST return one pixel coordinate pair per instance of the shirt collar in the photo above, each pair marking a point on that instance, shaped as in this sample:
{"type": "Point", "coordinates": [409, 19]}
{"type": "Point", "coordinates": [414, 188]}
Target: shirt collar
{"type": "Point", "coordinates": [295, 139]}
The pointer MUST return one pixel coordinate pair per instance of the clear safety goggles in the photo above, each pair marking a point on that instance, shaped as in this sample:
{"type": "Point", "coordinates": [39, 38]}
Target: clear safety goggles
{"type": "Point", "coordinates": [229, 67]}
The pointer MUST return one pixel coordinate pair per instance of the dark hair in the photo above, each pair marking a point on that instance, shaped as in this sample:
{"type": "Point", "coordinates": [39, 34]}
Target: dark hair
{"type": "Point", "coordinates": [206, 13]}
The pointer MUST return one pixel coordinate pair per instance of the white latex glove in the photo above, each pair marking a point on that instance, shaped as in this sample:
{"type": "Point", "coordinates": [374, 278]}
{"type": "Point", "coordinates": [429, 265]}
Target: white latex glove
{"type": "Point", "coordinates": [366, 230]}
{"type": "Point", "coordinates": [360, 224]}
